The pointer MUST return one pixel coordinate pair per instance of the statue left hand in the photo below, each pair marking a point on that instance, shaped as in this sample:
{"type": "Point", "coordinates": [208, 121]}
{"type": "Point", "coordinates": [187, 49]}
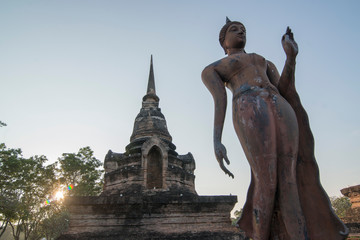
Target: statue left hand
{"type": "Point", "coordinates": [290, 46]}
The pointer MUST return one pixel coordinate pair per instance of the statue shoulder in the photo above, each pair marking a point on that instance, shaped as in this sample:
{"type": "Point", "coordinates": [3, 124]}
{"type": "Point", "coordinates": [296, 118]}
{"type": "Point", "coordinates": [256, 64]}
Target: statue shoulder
{"type": "Point", "coordinates": [220, 67]}
{"type": "Point", "coordinates": [270, 64]}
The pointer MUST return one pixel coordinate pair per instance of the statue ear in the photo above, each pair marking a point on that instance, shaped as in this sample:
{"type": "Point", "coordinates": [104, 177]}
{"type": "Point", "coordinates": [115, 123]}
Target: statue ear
{"type": "Point", "coordinates": [227, 20]}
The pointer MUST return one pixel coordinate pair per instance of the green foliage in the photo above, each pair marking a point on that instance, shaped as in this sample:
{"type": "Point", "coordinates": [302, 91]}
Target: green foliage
{"type": "Point", "coordinates": [2, 124]}
{"type": "Point", "coordinates": [82, 171]}
{"type": "Point", "coordinates": [54, 224]}
{"type": "Point", "coordinates": [24, 184]}
{"type": "Point", "coordinates": [237, 215]}
{"type": "Point", "coordinates": [340, 205]}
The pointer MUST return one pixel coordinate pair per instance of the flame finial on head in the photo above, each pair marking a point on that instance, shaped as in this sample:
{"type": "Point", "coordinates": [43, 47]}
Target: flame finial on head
{"type": "Point", "coordinates": [223, 31]}
{"type": "Point", "coordinates": [227, 20]}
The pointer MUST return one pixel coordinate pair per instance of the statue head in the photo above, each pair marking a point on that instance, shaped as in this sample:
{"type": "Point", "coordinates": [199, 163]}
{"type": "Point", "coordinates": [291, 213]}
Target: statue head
{"type": "Point", "coordinates": [224, 29]}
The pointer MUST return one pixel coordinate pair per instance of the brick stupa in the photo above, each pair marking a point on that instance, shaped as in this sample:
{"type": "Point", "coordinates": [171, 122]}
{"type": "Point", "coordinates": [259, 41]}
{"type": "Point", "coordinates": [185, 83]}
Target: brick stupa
{"type": "Point", "coordinates": [149, 191]}
{"type": "Point", "coordinates": [352, 217]}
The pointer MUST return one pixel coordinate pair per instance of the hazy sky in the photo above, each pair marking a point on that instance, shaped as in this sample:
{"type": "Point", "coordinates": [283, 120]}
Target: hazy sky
{"type": "Point", "coordinates": [73, 74]}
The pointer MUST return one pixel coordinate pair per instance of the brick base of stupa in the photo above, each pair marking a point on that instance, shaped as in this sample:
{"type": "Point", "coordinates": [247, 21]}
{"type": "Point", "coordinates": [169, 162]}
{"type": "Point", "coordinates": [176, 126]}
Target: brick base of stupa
{"type": "Point", "coordinates": [158, 216]}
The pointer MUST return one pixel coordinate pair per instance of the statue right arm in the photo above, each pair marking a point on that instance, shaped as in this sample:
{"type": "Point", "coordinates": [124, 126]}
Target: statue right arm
{"type": "Point", "coordinates": [216, 86]}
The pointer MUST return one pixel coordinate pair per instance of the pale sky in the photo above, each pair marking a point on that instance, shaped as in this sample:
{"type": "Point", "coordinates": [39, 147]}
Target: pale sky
{"type": "Point", "coordinates": [73, 74]}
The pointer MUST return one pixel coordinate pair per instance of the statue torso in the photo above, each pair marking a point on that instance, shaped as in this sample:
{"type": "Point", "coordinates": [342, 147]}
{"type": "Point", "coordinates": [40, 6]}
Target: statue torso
{"type": "Point", "coordinates": [243, 69]}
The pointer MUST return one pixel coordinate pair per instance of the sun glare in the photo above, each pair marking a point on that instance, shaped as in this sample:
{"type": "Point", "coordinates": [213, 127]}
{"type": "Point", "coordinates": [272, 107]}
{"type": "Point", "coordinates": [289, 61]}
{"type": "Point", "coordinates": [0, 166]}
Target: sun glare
{"type": "Point", "coordinates": [59, 195]}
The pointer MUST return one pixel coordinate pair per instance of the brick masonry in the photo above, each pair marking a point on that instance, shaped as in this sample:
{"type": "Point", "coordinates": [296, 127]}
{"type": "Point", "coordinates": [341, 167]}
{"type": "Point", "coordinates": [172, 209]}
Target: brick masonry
{"type": "Point", "coordinates": [352, 218]}
{"type": "Point", "coordinates": [149, 191]}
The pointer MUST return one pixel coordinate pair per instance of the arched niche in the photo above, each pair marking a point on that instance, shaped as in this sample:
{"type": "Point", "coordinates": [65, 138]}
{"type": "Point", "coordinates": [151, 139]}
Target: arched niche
{"type": "Point", "coordinates": [154, 163]}
{"type": "Point", "coordinates": [154, 175]}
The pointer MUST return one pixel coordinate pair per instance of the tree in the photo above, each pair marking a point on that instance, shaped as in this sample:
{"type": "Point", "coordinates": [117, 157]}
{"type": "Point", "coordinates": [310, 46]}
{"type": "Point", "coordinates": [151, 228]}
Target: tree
{"type": "Point", "coordinates": [81, 170]}
{"type": "Point", "coordinates": [2, 124]}
{"type": "Point", "coordinates": [237, 215]}
{"type": "Point", "coordinates": [340, 205]}
{"type": "Point", "coordinates": [8, 204]}
{"type": "Point", "coordinates": [54, 224]}
{"type": "Point", "coordinates": [25, 183]}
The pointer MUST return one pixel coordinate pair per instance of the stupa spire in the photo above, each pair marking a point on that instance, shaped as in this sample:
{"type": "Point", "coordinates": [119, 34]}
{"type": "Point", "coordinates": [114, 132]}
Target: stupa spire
{"type": "Point", "coordinates": [151, 82]}
{"type": "Point", "coordinates": [150, 99]}
{"type": "Point", "coordinates": [150, 121]}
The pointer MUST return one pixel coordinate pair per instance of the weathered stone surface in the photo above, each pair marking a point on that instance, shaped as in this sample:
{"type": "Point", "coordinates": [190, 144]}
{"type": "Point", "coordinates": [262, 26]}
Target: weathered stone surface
{"type": "Point", "coordinates": [113, 235]}
{"type": "Point", "coordinates": [122, 171]}
{"type": "Point", "coordinates": [150, 162]}
{"type": "Point", "coordinates": [149, 191]}
{"type": "Point", "coordinates": [352, 218]}
{"type": "Point", "coordinates": [163, 213]}
{"type": "Point", "coordinates": [353, 193]}
{"type": "Point", "coordinates": [274, 131]}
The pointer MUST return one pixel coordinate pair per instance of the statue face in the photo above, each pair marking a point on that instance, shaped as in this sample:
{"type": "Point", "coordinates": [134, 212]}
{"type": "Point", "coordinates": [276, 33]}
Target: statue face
{"type": "Point", "coordinates": [235, 36]}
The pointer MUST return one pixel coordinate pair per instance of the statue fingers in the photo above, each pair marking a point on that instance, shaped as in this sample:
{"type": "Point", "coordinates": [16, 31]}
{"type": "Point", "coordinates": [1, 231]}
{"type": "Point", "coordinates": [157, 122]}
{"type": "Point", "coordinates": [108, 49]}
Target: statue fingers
{"type": "Point", "coordinates": [221, 156]}
{"type": "Point", "coordinates": [289, 33]}
{"type": "Point", "coordinates": [226, 159]}
{"type": "Point", "coordinates": [285, 38]}
{"type": "Point", "coordinates": [288, 30]}
{"type": "Point", "coordinates": [288, 36]}
{"type": "Point", "coordinates": [229, 173]}
{"type": "Point", "coordinates": [226, 171]}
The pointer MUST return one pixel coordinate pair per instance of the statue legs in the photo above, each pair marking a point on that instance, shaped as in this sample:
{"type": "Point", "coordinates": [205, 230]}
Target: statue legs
{"type": "Point", "coordinates": [267, 129]}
